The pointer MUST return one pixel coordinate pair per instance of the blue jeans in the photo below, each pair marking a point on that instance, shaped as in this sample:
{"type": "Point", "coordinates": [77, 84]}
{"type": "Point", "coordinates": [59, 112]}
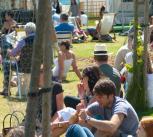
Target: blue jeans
{"type": "Point", "coordinates": [93, 33]}
{"type": "Point", "coordinates": [78, 131]}
{"type": "Point", "coordinates": [6, 71]}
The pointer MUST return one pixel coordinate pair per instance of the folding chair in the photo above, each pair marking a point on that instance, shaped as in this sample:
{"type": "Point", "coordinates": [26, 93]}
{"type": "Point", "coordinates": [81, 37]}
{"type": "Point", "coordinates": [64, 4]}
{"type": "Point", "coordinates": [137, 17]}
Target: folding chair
{"type": "Point", "coordinates": [23, 68]}
{"type": "Point", "coordinates": [64, 36]}
{"type": "Point", "coordinates": [106, 24]}
{"type": "Point", "coordinates": [73, 20]}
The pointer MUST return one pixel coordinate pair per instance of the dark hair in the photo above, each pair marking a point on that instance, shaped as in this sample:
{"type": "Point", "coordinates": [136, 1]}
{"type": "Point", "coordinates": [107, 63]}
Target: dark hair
{"type": "Point", "coordinates": [64, 17]}
{"type": "Point", "coordinates": [93, 73]}
{"type": "Point", "coordinates": [100, 58]}
{"type": "Point", "coordinates": [66, 44]}
{"type": "Point", "coordinates": [82, 12]}
{"type": "Point", "coordinates": [104, 87]}
{"type": "Point", "coordinates": [58, 9]}
{"type": "Point", "coordinates": [102, 10]}
{"type": "Point", "coordinates": [9, 13]}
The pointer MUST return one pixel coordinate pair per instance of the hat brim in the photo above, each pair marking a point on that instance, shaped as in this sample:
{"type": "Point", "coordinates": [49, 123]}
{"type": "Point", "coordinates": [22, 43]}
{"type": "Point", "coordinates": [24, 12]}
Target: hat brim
{"type": "Point", "coordinates": [102, 54]}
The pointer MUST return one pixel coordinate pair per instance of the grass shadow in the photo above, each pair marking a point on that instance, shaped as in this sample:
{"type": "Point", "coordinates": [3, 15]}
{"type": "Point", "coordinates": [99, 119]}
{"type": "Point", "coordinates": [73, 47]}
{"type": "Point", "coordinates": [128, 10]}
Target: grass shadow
{"type": "Point", "coordinates": [16, 99]}
{"type": "Point", "coordinates": [103, 41]}
{"type": "Point", "coordinates": [68, 81]}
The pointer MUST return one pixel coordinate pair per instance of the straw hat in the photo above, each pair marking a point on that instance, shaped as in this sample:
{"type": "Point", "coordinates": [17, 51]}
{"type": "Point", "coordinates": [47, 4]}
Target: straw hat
{"type": "Point", "coordinates": [101, 49]}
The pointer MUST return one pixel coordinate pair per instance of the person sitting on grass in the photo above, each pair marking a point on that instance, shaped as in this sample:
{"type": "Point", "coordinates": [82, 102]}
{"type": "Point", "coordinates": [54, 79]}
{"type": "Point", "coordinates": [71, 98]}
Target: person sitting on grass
{"type": "Point", "coordinates": [121, 53]}
{"type": "Point", "coordinates": [64, 24]}
{"type": "Point", "coordinates": [56, 98]}
{"type": "Point", "coordinates": [118, 117]}
{"type": "Point", "coordinates": [64, 117]}
{"type": "Point", "coordinates": [95, 32]}
{"type": "Point", "coordinates": [90, 75]}
{"type": "Point", "coordinates": [66, 59]}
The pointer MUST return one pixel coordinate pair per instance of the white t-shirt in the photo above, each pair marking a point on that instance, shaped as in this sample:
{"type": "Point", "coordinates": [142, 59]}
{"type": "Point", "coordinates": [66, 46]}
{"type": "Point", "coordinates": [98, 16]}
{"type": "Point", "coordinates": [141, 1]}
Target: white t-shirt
{"type": "Point", "coordinates": [84, 19]}
{"type": "Point", "coordinates": [129, 58]}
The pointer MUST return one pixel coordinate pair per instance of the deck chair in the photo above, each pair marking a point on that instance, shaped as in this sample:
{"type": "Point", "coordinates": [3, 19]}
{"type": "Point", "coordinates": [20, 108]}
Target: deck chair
{"type": "Point", "coordinates": [64, 36]}
{"type": "Point", "coordinates": [73, 20]}
{"type": "Point", "coordinates": [106, 24]}
{"type": "Point", "coordinates": [61, 36]}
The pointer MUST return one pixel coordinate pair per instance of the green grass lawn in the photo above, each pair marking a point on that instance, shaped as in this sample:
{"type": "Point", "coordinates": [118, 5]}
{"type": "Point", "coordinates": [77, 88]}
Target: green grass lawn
{"type": "Point", "coordinates": [84, 56]}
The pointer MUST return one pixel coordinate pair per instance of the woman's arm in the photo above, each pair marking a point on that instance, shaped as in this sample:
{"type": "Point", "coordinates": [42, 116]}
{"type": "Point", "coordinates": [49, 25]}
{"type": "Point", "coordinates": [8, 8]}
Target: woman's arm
{"type": "Point", "coordinates": [98, 27]}
{"type": "Point", "coordinates": [75, 67]}
{"type": "Point", "coordinates": [59, 101]}
{"type": "Point", "coordinates": [61, 65]}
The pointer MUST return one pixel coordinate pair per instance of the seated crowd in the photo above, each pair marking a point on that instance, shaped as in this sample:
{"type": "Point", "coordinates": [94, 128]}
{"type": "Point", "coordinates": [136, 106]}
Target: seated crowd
{"type": "Point", "coordinates": [99, 109]}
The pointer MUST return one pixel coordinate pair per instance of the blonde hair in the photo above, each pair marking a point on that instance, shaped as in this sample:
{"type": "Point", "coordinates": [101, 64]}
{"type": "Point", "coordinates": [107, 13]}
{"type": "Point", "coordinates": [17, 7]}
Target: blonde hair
{"type": "Point", "coordinates": [147, 124]}
{"type": "Point", "coordinates": [30, 27]}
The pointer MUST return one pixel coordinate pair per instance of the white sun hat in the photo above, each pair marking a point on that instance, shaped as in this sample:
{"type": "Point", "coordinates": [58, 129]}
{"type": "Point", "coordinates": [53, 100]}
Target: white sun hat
{"type": "Point", "coordinates": [101, 49]}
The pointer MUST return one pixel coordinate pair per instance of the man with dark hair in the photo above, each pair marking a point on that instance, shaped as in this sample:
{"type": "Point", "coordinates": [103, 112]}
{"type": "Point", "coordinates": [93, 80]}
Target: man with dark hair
{"type": "Point", "coordinates": [118, 118]}
{"type": "Point", "coordinates": [101, 59]}
{"type": "Point", "coordinates": [64, 25]}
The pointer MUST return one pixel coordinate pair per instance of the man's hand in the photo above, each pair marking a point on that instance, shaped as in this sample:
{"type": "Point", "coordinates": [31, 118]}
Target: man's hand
{"type": "Point", "coordinates": [74, 119]}
{"type": "Point", "coordinates": [83, 115]}
{"type": "Point", "coordinates": [80, 106]}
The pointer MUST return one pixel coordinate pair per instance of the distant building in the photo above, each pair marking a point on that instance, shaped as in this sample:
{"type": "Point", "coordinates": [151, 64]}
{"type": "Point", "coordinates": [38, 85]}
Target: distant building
{"type": "Point", "coordinates": [124, 9]}
{"type": "Point", "coordinates": [15, 4]}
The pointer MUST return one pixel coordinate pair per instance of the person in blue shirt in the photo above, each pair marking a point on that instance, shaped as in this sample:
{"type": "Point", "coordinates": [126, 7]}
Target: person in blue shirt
{"type": "Point", "coordinates": [64, 25]}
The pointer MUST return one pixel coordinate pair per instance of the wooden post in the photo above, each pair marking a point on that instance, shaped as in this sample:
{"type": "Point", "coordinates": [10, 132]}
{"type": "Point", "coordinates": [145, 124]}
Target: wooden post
{"type": "Point", "coordinates": [47, 59]}
{"type": "Point", "coordinates": [30, 123]}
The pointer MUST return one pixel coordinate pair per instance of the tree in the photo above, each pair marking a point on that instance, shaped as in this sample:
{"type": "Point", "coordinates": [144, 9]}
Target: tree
{"type": "Point", "coordinates": [40, 46]}
{"type": "Point", "coordinates": [136, 93]}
